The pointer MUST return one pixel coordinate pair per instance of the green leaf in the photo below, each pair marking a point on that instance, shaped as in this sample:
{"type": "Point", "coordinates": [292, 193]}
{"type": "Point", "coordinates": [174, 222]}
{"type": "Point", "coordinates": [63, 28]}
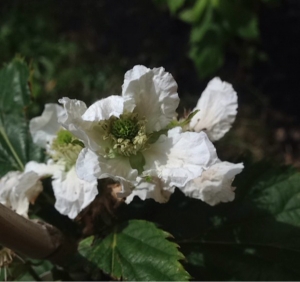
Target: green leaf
{"type": "Point", "coordinates": [207, 58]}
{"type": "Point", "coordinates": [14, 87]}
{"type": "Point", "coordinates": [249, 30]}
{"type": "Point", "coordinates": [256, 237]}
{"type": "Point", "coordinates": [175, 5]}
{"type": "Point", "coordinates": [29, 270]}
{"type": "Point", "coordinates": [136, 250]}
{"type": "Point", "coordinates": [279, 194]}
{"type": "Point", "coordinates": [16, 147]}
{"type": "Point", "coordinates": [195, 13]}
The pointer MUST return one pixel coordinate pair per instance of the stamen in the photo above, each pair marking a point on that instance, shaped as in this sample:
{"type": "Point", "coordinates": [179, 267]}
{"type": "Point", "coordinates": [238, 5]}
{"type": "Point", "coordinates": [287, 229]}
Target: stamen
{"type": "Point", "coordinates": [127, 134]}
{"type": "Point", "coordinates": [65, 147]}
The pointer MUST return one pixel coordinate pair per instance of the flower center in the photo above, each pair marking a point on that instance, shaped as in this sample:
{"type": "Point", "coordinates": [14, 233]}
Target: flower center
{"type": "Point", "coordinates": [124, 128]}
{"type": "Point", "coordinates": [127, 134]}
{"type": "Point", "coordinates": [66, 147]}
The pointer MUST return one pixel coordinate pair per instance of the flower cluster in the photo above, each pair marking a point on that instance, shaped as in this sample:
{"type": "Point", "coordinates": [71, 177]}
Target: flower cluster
{"type": "Point", "coordinates": [136, 140]}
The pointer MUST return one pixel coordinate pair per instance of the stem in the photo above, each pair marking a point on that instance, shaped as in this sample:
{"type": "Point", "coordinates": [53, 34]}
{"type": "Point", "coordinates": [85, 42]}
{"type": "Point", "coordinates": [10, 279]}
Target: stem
{"type": "Point", "coordinates": [5, 137]}
{"type": "Point", "coordinates": [34, 274]}
{"type": "Point", "coordinates": [34, 239]}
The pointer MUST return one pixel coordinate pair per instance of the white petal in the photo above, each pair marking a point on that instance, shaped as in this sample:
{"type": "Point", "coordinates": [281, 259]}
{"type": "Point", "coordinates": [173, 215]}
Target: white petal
{"type": "Point", "coordinates": [155, 95]}
{"type": "Point", "coordinates": [84, 123]}
{"type": "Point", "coordinates": [7, 183]}
{"type": "Point", "coordinates": [72, 194]}
{"type": "Point", "coordinates": [90, 166]}
{"type": "Point", "coordinates": [217, 109]}
{"type": "Point", "coordinates": [180, 157]}
{"type": "Point", "coordinates": [214, 185]}
{"type": "Point", "coordinates": [26, 191]}
{"type": "Point", "coordinates": [153, 189]}
{"type": "Point", "coordinates": [105, 108]}
{"type": "Point", "coordinates": [43, 170]}
{"type": "Point", "coordinates": [149, 190]}
{"type": "Point", "coordinates": [72, 118]}
{"type": "Point", "coordinates": [44, 128]}
{"type": "Point", "coordinates": [73, 110]}
{"type": "Point", "coordinates": [18, 189]}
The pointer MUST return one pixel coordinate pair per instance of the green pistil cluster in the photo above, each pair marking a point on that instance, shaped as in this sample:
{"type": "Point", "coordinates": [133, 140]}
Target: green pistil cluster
{"type": "Point", "coordinates": [124, 128]}
{"type": "Point", "coordinates": [66, 147]}
{"type": "Point", "coordinates": [127, 134]}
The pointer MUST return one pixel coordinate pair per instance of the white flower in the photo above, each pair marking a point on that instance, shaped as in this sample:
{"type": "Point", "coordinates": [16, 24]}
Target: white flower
{"type": "Point", "coordinates": [18, 189]}
{"type": "Point", "coordinates": [125, 136]}
{"type": "Point", "coordinates": [214, 185]}
{"type": "Point", "coordinates": [72, 194]}
{"type": "Point", "coordinates": [118, 129]}
{"type": "Point", "coordinates": [217, 109]}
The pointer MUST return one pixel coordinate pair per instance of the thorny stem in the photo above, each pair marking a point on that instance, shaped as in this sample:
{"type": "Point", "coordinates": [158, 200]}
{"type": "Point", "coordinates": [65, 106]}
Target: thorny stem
{"type": "Point", "coordinates": [34, 239]}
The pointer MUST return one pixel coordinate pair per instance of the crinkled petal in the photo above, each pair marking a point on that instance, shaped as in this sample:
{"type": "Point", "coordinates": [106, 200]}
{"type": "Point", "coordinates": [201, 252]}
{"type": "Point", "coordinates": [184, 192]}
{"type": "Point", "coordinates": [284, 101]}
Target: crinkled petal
{"type": "Point", "coordinates": [105, 108]}
{"type": "Point", "coordinates": [43, 129]}
{"type": "Point", "coordinates": [72, 118]}
{"type": "Point", "coordinates": [214, 185]}
{"type": "Point", "coordinates": [26, 191]}
{"type": "Point", "coordinates": [18, 189]}
{"type": "Point", "coordinates": [154, 93]}
{"type": "Point", "coordinates": [180, 157]}
{"type": "Point", "coordinates": [7, 184]}
{"type": "Point", "coordinates": [90, 166]}
{"type": "Point", "coordinates": [152, 188]}
{"type": "Point", "coordinates": [73, 111]}
{"type": "Point", "coordinates": [217, 109]}
{"type": "Point", "coordinates": [71, 193]}
{"type": "Point", "coordinates": [84, 123]}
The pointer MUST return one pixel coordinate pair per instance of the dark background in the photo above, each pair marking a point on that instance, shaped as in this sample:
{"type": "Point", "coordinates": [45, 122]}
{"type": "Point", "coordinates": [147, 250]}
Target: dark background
{"type": "Point", "coordinates": [81, 49]}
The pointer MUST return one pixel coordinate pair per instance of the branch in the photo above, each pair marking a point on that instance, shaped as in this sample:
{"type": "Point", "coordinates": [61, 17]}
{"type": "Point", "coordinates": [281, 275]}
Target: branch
{"type": "Point", "coordinates": [34, 239]}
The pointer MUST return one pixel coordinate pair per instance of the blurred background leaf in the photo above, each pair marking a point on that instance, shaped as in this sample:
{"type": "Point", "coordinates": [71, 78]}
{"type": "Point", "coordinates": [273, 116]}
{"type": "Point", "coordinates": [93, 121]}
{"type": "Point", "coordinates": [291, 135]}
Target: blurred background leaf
{"type": "Point", "coordinates": [16, 147]}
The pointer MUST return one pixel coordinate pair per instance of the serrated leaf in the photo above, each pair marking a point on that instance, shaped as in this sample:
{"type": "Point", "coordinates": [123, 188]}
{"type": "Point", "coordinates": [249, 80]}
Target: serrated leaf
{"type": "Point", "coordinates": [136, 250]}
{"type": "Point", "coordinates": [16, 147]}
{"type": "Point", "coordinates": [279, 194]}
{"type": "Point", "coordinates": [257, 236]}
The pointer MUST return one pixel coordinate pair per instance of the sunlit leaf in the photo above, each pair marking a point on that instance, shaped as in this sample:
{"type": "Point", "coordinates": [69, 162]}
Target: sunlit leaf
{"type": "Point", "coordinates": [136, 250]}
